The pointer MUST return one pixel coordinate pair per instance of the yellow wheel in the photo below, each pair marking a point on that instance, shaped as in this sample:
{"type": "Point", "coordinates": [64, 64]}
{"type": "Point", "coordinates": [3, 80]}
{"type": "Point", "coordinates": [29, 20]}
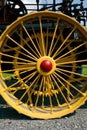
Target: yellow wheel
{"type": "Point", "coordinates": [42, 58]}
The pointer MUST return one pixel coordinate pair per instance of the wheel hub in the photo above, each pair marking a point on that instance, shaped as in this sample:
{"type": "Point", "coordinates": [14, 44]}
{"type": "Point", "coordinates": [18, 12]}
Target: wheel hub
{"type": "Point", "coordinates": [46, 65]}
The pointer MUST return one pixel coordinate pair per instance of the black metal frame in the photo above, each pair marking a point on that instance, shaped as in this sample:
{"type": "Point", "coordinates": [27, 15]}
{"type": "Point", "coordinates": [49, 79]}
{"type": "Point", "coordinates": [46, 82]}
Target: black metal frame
{"type": "Point", "coordinates": [74, 10]}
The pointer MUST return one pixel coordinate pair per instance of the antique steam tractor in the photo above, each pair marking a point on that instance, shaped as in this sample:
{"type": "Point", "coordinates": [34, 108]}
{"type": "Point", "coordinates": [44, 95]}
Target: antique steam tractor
{"type": "Point", "coordinates": [43, 59]}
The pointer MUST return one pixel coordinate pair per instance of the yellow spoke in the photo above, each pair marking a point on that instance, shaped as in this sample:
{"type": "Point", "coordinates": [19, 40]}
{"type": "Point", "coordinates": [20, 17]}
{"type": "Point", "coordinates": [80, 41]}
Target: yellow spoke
{"type": "Point", "coordinates": [57, 100]}
{"type": "Point", "coordinates": [54, 35]}
{"type": "Point", "coordinates": [20, 81]}
{"type": "Point", "coordinates": [71, 72]}
{"type": "Point", "coordinates": [29, 46]}
{"type": "Point", "coordinates": [38, 93]}
{"type": "Point", "coordinates": [35, 47]}
{"type": "Point", "coordinates": [32, 90]}
{"type": "Point", "coordinates": [29, 77]}
{"type": "Point", "coordinates": [18, 63]}
{"type": "Point", "coordinates": [55, 44]}
{"type": "Point", "coordinates": [54, 78]}
{"type": "Point", "coordinates": [14, 90]}
{"type": "Point", "coordinates": [47, 35]}
{"type": "Point", "coordinates": [22, 66]}
{"type": "Point", "coordinates": [42, 38]}
{"type": "Point", "coordinates": [66, 46]}
{"type": "Point", "coordinates": [27, 90]}
{"type": "Point", "coordinates": [61, 35]}
{"type": "Point", "coordinates": [64, 86]}
{"type": "Point", "coordinates": [64, 42]}
{"type": "Point", "coordinates": [71, 78]}
{"type": "Point", "coordinates": [81, 52]}
{"type": "Point", "coordinates": [18, 69]}
{"type": "Point", "coordinates": [29, 100]}
{"type": "Point", "coordinates": [49, 91]}
{"type": "Point", "coordinates": [19, 52]}
{"type": "Point", "coordinates": [51, 105]}
{"type": "Point", "coordinates": [14, 57]}
{"type": "Point", "coordinates": [43, 101]}
{"type": "Point", "coordinates": [71, 62]}
{"type": "Point", "coordinates": [22, 70]}
{"type": "Point", "coordinates": [12, 85]}
{"type": "Point", "coordinates": [69, 58]}
{"type": "Point", "coordinates": [68, 83]}
{"type": "Point", "coordinates": [13, 93]}
{"type": "Point", "coordinates": [51, 82]}
{"type": "Point", "coordinates": [72, 50]}
{"type": "Point", "coordinates": [69, 66]}
{"type": "Point", "coordinates": [18, 44]}
{"type": "Point", "coordinates": [36, 40]}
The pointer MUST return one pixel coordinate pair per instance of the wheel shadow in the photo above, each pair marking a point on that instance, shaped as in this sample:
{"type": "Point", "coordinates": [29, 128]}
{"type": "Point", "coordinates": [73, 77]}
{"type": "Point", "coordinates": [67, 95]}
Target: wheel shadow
{"type": "Point", "coordinates": [7, 112]}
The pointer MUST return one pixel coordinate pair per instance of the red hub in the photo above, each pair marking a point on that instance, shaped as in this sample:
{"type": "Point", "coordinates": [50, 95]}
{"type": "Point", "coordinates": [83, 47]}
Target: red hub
{"type": "Point", "coordinates": [46, 65]}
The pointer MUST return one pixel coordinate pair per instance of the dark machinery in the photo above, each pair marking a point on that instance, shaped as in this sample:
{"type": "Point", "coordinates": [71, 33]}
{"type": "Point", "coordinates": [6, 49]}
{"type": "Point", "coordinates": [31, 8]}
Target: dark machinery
{"type": "Point", "coordinates": [43, 62]}
{"type": "Point", "coordinates": [10, 10]}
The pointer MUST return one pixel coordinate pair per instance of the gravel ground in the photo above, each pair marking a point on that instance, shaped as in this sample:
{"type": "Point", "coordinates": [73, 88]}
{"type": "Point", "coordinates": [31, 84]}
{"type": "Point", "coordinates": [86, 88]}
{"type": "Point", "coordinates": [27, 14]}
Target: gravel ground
{"type": "Point", "coordinates": [11, 120]}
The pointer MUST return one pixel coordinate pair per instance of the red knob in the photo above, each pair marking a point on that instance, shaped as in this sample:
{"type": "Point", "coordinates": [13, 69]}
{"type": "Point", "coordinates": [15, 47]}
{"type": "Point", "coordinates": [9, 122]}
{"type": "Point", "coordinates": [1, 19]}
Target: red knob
{"type": "Point", "coordinates": [46, 66]}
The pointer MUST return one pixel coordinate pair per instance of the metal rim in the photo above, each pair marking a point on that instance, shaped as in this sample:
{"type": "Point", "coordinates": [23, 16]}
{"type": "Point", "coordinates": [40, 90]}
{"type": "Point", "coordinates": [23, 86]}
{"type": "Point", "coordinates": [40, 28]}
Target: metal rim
{"type": "Point", "coordinates": [40, 65]}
